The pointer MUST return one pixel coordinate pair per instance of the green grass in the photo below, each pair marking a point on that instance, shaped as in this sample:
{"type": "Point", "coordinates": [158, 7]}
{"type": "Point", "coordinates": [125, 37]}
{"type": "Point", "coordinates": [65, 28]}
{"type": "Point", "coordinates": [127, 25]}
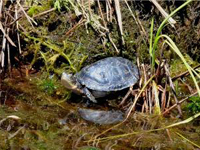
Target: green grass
{"type": "Point", "coordinates": [167, 40]}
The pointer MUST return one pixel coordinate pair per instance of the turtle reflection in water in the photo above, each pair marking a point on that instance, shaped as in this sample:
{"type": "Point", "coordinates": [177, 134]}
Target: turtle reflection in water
{"type": "Point", "coordinates": [102, 77]}
{"type": "Point", "coordinates": [100, 116]}
{"type": "Point", "coordinates": [98, 80]}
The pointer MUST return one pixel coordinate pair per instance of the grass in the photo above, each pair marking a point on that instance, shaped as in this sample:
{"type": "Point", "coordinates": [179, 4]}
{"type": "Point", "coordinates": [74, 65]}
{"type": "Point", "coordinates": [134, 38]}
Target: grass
{"type": "Point", "coordinates": [154, 44]}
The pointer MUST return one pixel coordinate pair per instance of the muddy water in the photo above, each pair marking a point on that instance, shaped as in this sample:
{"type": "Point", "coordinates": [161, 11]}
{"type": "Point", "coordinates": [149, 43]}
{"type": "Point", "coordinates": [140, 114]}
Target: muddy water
{"type": "Point", "coordinates": [31, 118]}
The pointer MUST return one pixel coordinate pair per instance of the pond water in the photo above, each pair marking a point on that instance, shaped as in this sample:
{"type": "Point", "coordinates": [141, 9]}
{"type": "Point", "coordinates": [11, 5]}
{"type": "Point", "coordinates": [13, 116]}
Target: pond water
{"type": "Point", "coordinates": [30, 118]}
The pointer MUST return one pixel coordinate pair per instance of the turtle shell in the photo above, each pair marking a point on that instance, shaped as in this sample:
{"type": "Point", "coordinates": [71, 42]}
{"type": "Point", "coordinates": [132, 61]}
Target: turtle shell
{"type": "Point", "coordinates": [109, 74]}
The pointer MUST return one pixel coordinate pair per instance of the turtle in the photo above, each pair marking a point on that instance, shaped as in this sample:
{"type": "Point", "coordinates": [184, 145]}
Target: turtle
{"type": "Point", "coordinates": [97, 80]}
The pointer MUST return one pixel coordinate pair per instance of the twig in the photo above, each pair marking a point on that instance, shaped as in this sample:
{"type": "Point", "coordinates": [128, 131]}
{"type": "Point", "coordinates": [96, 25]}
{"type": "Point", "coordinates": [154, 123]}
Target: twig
{"type": "Point", "coordinates": [181, 101]}
{"type": "Point", "coordinates": [44, 12]}
{"type": "Point", "coordinates": [77, 142]}
{"type": "Point", "coordinates": [8, 25]}
{"type": "Point", "coordinates": [7, 37]}
{"type": "Point", "coordinates": [14, 134]}
{"type": "Point", "coordinates": [89, 6]}
{"type": "Point", "coordinates": [30, 20]}
{"type": "Point", "coordinates": [107, 11]}
{"type": "Point", "coordinates": [137, 97]}
{"type": "Point", "coordinates": [163, 98]}
{"type": "Point", "coordinates": [126, 96]}
{"type": "Point", "coordinates": [187, 85]}
{"type": "Point", "coordinates": [168, 133]}
{"type": "Point", "coordinates": [18, 22]}
{"type": "Point", "coordinates": [173, 89]}
{"type": "Point", "coordinates": [79, 23]}
{"type": "Point", "coordinates": [109, 37]}
{"type": "Point", "coordinates": [184, 73]}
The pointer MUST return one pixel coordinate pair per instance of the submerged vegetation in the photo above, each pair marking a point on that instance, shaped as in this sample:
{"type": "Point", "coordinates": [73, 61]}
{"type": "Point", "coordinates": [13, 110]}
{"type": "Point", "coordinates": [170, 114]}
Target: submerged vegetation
{"type": "Point", "coordinates": [41, 39]}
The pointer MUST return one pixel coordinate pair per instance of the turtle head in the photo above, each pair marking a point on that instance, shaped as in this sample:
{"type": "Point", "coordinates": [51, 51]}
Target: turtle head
{"type": "Point", "coordinates": [70, 83]}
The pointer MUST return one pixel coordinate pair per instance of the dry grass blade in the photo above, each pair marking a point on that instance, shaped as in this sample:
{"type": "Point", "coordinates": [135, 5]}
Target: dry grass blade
{"type": "Point", "coordinates": [187, 85]}
{"type": "Point", "coordinates": [17, 26]}
{"type": "Point", "coordinates": [102, 17]}
{"type": "Point", "coordinates": [163, 12]}
{"type": "Point", "coordinates": [119, 19]}
{"type": "Point", "coordinates": [148, 93]}
{"type": "Point", "coordinates": [3, 52]}
{"type": "Point", "coordinates": [168, 134]}
{"type": "Point", "coordinates": [163, 98]}
{"type": "Point", "coordinates": [30, 20]}
{"type": "Point", "coordinates": [108, 11]}
{"type": "Point", "coordinates": [138, 22]}
{"type": "Point", "coordinates": [1, 7]}
{"type": "Point", "coordinates": [115, 47]}
{"type": "Point", "coordinates": [187, 140]}
{"type": "Point", "coordinates": [9, 62]}
{"type": "Point", "coordinates": [156, 99]}
{"type": "Point", "coordinates": [7, 37]}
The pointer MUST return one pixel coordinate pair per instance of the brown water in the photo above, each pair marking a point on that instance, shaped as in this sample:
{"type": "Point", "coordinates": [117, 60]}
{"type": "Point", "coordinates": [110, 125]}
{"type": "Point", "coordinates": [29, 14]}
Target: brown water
{"type": "Point", "coordinates": [31, 118]}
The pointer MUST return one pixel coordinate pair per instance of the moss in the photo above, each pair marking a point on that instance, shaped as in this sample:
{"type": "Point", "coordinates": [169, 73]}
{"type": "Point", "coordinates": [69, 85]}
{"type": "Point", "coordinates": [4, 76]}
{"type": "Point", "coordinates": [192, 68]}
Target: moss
{"type": "Point", "coordinates": [177, 66]}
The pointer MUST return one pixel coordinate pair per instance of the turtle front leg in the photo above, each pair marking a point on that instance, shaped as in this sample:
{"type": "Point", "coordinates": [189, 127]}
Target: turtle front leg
{"type": "Point", "coordinates": [89, 95]}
